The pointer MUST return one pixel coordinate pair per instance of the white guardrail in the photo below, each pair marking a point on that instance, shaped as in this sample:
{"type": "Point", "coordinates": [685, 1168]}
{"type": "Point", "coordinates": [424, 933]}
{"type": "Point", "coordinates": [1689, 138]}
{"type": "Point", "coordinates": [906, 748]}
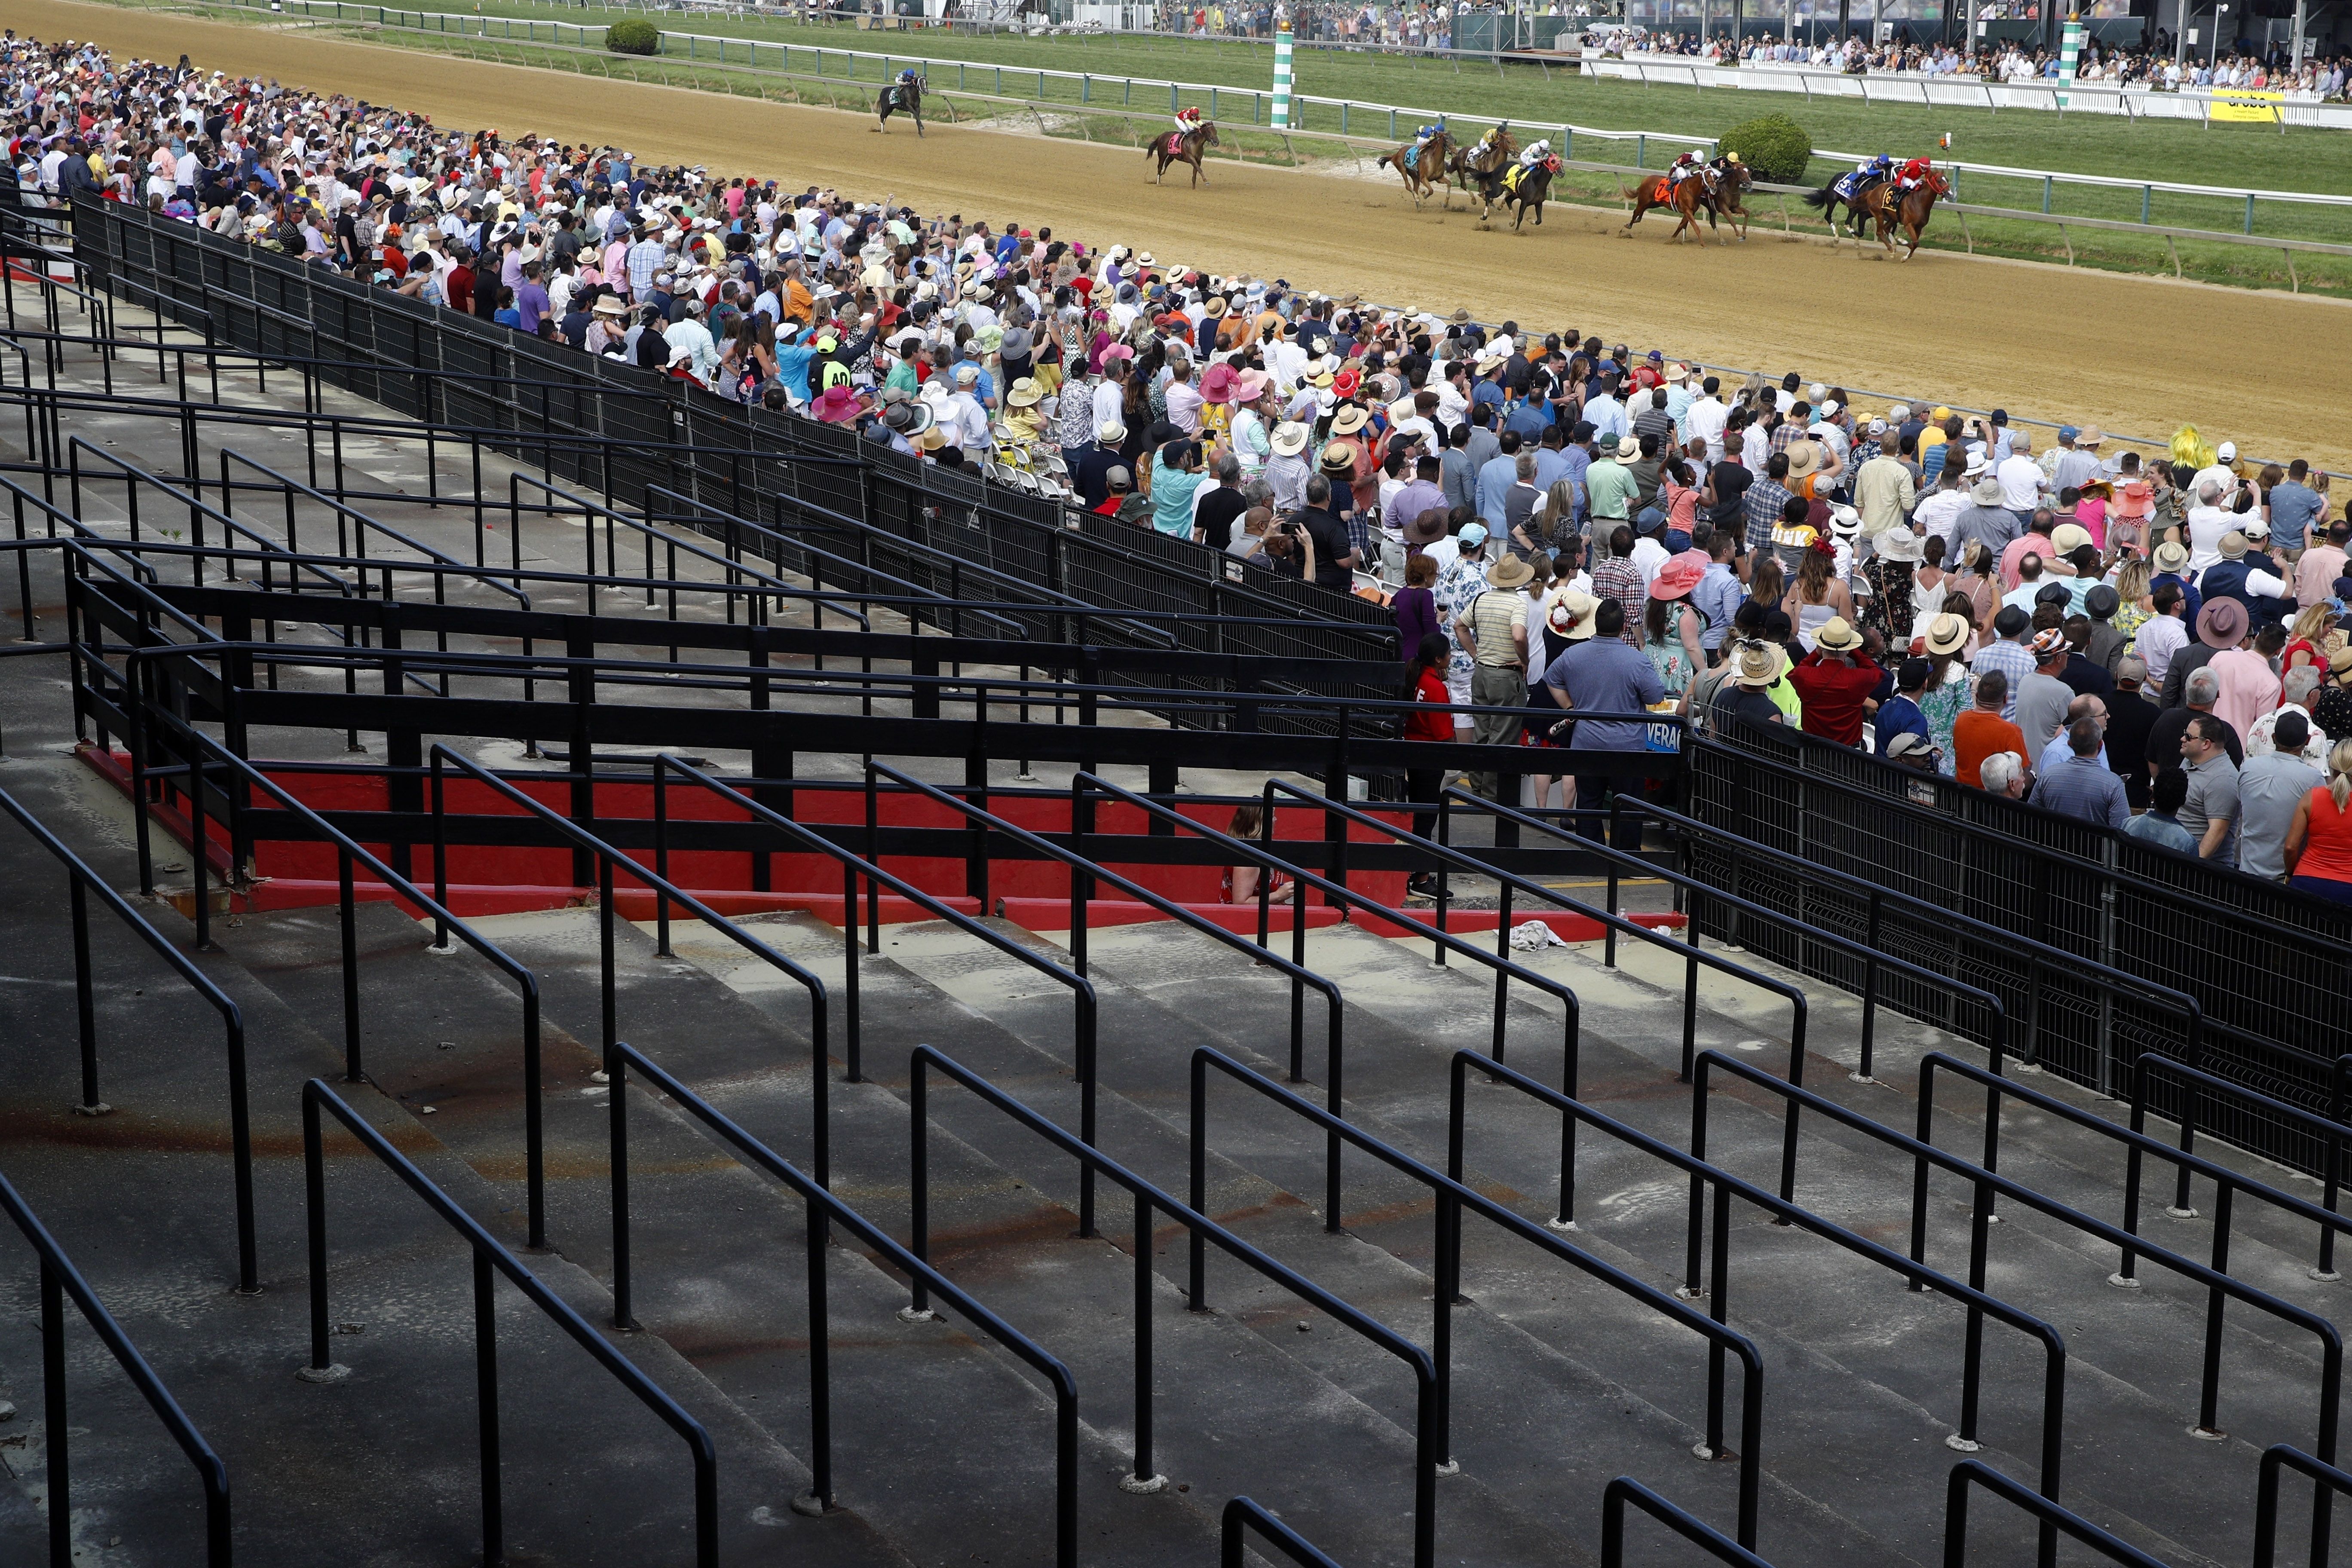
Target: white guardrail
{"type": "Point", "coordinates": [1912, 90]}
{"type": "Point", "coordinates": [1108, 91]}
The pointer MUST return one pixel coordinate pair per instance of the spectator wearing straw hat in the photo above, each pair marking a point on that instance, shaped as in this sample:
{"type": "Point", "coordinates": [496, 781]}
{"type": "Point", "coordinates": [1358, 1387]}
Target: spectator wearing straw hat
{"type": "Point", "coordinates": [1742, 700]}
{"type": "Point", "coordinates": [1839, 685]}
{"type": "Point", "coordinates": [1493, 629]}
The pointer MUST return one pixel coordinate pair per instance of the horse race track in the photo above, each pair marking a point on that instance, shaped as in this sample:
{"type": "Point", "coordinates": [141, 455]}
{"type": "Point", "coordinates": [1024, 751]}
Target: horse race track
{"type": "Point", "coordinates": [2132, 354]}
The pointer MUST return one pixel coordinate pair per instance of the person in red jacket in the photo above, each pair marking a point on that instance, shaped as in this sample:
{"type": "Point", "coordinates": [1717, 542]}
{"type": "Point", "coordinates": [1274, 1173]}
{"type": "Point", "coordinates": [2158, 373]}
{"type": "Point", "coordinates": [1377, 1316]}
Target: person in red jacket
{"type": "Point", "coordinates": [1839, 684]}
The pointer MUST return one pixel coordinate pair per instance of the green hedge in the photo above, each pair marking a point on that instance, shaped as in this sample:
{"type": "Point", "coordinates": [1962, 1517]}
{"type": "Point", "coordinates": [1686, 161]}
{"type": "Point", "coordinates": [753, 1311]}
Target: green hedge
{"type": "Point", "coordinates": [1775, 146]}
{"type": "Point", "coordinates": [635, 35]}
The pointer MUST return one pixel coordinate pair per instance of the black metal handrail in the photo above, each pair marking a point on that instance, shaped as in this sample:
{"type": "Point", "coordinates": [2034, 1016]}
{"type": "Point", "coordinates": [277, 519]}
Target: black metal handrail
{"type": "Point", "coordinates": [701, 514]}
{"type": "Point", "coordinates": [621, 1056]}
{"type": "Point", "coordinates": [854, 866]}
{"type": "Point", "coordinates": [1242, 1516]}
{"type": "Point", "coordinates": [2049, 961]}
{"type": "Point", "coordinates": [1149, 1198]}
{"type": "Point", "coordinates": [81, 881]}
{"type": "Point", "coordinates": [1084, 873]}
{"type": "Point", "coordinates": [1449, 858]}
{"type": "Point", "coordinates": [1084, 785]}
{"type": "Point", "coordinates": [291, 488]}
{"type": "Point", "coordinates": [843, 603]}
{"type": "Point", "coordinates": [2138, 1145]}
{"type": "Point", "coordinates": [2333, 1128]}
{"type": "Point", "coordinates": [2275, 1457]}
{"type": "Point", "coordinates": [1715, 1281]}
{"type": "Point", "coordinates": [491, 1259]}
{"type": "Point", "coordinates": [2053, 1519]}
{"type": "Point", "coordinates": [1625, 1489]}
{"type": "Point", "coordinates": [1454, 1195]}
{"type": "Point", "coordinates": [351, 854]}
{"type": "Point", "coordinates": [609, 860]}
{"type": "Point", "coordinates": [59, 1279]}
{"type": "Point", "coordinates": [1988, 1182]}
{"type": "Point", "coordinates": [1694, 889]}
{"type": "Point", "coordinates": [133, 476]}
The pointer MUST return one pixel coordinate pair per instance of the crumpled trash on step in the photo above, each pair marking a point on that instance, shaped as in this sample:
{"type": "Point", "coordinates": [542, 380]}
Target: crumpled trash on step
{"type": "Point", "coordinates": [1533, 936]}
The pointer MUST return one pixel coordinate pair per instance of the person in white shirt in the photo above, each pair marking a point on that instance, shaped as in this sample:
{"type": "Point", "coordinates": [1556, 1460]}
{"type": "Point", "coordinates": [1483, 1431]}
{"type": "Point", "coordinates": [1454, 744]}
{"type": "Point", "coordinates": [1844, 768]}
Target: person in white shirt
{"type": "Point", "coordinates": [1704, 420]}
{"type": "Point", "coordinates": [2020, 478]}
{"type": "Point", "coordinates": [2207, 523]}
{"type": "Point", "coordinates": [2220, 473]}
{"type": "Point", "coordinates": [1940, 509]}
{"type": "Point", "coordinates": [965, 421]}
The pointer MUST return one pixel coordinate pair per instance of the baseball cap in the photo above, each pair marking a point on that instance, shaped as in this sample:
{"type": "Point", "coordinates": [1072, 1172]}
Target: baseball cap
{"type": "Point", "coordinates": [1474, 536]}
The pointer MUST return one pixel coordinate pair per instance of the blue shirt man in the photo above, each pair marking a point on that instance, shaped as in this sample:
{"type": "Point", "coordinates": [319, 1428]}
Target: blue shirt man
{"type": "Point", "coordinates": [1718, 596]}
{"type": "Point", "coordinates": [1495, 481]}
{"type": "Point", "coordinates": [2294, 506]}
{"type": "Point", "coordinates": [1606, 674]}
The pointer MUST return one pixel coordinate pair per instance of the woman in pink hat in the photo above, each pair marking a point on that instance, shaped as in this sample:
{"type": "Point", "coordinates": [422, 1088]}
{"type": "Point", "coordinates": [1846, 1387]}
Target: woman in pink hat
{"type": "Point", "coordinates": [1217, 404]}
{"type": "Point", "coordinates": [1253, 422]}
{"type": "Point", "coordinates": [1671, 627]}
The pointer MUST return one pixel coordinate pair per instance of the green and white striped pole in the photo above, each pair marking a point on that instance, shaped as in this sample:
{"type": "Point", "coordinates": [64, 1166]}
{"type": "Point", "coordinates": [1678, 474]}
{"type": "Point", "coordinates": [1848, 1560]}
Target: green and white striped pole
{"type": "Point", "coordinates": [1282, 69]}
{"type": "Point", "coordinates": [2070, 50]}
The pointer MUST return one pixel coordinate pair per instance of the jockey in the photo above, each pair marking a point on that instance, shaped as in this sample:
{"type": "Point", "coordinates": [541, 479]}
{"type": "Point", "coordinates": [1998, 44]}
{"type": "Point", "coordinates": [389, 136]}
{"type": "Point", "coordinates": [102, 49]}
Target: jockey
{"type": "Point", "coordinates": [1876, 168]}
{"type": "Point", "coordinates": [1911, 173]}
{"type": "Point", "coordinates": [1534, 154]}
{"type": "Point", "coordinates": [1188, 120]}
{"type": "Point", "coordinates": [1683, 168]}
{"type": "Point", "coordinates": [1421, 139]}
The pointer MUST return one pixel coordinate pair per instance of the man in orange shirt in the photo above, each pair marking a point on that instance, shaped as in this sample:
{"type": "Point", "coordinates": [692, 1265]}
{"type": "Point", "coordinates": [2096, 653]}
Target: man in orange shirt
{"type": "Point", "coordinates": [1981, 730]}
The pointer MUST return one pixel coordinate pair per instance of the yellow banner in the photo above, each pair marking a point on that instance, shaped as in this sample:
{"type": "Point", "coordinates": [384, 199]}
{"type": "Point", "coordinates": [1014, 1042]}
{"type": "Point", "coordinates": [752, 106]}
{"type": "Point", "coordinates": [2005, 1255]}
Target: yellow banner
{"type": "Point", "coordinates": [2260, 107]}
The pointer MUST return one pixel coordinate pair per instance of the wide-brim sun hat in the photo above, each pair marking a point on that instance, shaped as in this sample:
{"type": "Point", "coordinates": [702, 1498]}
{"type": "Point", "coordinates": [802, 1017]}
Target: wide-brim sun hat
{"type": "Point", "coordinates": [1289, 438]}
{"type": "Point", "coordinates": [1678, 576]}
{"type": "Point", "coordinates": [1510, 571]}
{"type": "Point", "coordinates": [1947, 634]}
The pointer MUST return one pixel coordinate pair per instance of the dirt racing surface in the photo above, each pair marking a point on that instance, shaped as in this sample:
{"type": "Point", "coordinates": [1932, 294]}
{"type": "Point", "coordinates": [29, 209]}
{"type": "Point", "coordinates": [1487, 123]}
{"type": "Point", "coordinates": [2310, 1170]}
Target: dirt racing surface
{"type": "Point", "coordinates": [2132, 354]}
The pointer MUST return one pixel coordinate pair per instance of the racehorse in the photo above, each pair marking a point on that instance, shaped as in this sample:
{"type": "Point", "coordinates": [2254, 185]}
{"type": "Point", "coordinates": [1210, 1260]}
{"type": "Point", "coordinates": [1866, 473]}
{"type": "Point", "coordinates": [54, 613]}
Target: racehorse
{"type": "Point", "coordinates": [1182, 147]}
{"type": "Point", "coordinates": [1426, 171]}
{"type": "Point", "coordinates": [1731, 182]}
{"type": "Point", "coordinates": [1470, 165]}
{"type": "Point", "coordinates": [1863, 204]}
{"type": "Point", "coordinates": [1687, 196]}
{"type": "Point", "coordinates": [1529, 191]}
{"type": "Point", "coordinates": [1911, 211]}
{"type": "Point", "coordinates": [901, 98]}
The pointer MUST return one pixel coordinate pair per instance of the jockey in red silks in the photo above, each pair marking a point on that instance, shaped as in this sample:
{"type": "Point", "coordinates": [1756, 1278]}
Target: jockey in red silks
{"type": "Point", "coordinates": [1911, 173]}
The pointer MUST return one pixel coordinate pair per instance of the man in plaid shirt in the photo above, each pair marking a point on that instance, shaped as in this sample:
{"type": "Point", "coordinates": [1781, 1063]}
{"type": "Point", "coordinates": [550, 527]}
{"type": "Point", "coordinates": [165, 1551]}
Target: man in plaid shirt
{"type": "Point", "coordinates": [1761, 507]}
{"type": "Point", "coordinates": [2007, 655]}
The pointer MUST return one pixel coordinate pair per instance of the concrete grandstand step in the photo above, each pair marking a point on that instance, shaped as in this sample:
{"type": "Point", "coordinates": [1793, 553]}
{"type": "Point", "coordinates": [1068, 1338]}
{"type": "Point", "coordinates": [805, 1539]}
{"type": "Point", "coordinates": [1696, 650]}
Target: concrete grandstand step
{"type": "Point", "coordinates": [1214, 1431]}
{"type": "Point", "coordinates": [382, 1463]}
{"type": "Point", "coordinates": [2134, 1353]}
{"type": "Point", "coordinates": [1510, 1386]}
{"type": "Point", "coordinates": [718, 1254]}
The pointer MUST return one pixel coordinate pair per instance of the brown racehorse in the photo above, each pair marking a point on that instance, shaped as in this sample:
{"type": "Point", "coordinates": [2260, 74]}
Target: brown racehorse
{"type": "Point", "coordinates": [1732, 181]}
{"type": "Point", "coordinates": [1911, 211]}
{"type": "Point", "coordinates": [1470, 165]}
{"type": "Point", "coordinates": [1425, 173]}
{"type": "Point", "coordinates": [1182, 147]}
{"type": "Point", "coordinates": [1689, 198]}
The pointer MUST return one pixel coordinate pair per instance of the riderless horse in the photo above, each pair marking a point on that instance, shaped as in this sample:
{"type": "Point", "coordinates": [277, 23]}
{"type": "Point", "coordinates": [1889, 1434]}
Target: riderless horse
{"type": "Point", "coordinates": [1426, 169]}
{"type": "Point", "coordinates": [1490, 154]}
{"type": "Point", "coordinates": [1910, 208]}
{"type": "Point", "coordinates": [903, 96]}
{"type": "Point", "coordinates": [1526, 192]}
{"type": "Point", "coordinates": [1182, 147]}
{"type": "Point", "coordinates": [1689, 196]}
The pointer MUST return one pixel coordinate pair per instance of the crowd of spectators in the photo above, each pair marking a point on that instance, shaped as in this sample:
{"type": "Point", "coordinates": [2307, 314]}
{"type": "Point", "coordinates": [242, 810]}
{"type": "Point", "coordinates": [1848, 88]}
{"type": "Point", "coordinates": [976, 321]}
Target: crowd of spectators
{"type": "Point", "coordinates": [2319, 76]}
{"type": "Point", "coordinates": [1575, 522]}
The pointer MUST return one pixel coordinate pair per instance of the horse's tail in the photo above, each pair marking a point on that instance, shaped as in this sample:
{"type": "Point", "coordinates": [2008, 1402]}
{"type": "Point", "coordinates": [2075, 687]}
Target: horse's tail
{"type": "Point", "coordinates": [1821, 199]}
